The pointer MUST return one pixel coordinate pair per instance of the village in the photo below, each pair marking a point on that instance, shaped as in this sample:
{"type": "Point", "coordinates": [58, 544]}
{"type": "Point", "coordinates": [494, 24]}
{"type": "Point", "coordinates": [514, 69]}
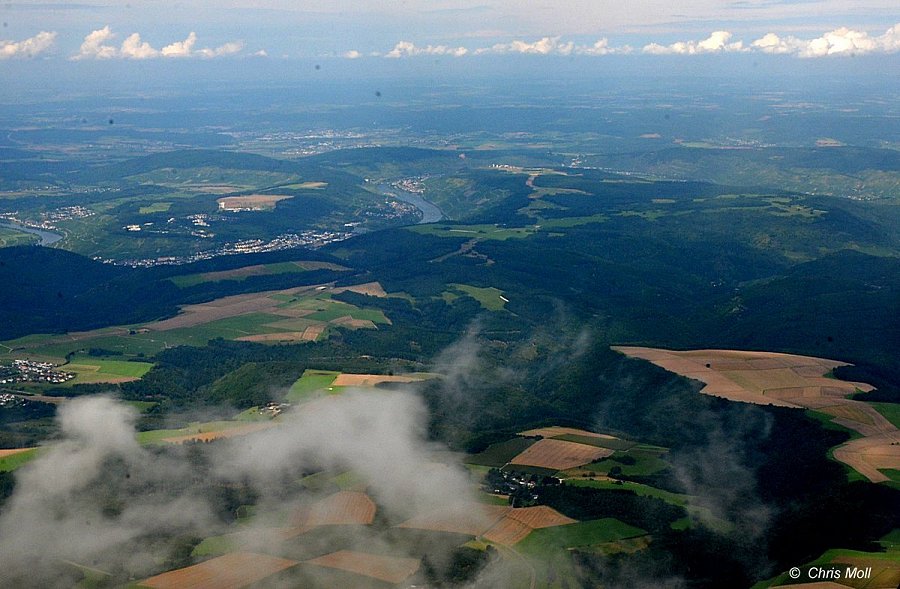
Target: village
{"type": "Point", "coordinates": [30, 371]}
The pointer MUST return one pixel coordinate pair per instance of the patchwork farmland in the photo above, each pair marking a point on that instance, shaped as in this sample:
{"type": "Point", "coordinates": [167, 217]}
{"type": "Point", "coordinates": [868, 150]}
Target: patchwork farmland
{"type": "Point", "coordinates": [280, 316]}
{"type": "Point", "coordinates": [787, 380]}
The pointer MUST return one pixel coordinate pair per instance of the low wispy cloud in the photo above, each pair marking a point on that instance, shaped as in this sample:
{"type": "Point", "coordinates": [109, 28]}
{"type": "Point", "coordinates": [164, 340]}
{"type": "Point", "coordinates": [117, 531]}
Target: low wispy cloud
{"type": "Point", "coordinates": [842, 41]}
{"type": "Point", "coordinates": [30, 47]}
{"type": "Point", "coordinates": [98, 45]}
{"type": "Point", "coordinates": [717, 42]}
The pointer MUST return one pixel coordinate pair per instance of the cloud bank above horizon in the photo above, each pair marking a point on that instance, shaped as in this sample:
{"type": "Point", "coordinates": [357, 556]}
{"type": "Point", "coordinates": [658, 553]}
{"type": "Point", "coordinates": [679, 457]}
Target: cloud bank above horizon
{"type": "Point", "coordinates": [102, 44]}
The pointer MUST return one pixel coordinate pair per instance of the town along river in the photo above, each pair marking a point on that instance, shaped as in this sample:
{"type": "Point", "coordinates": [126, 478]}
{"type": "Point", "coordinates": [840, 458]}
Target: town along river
{"type": "Point", "coordinates": [430, 212]}
{"type": "Point", "coordinates": [47, 237]}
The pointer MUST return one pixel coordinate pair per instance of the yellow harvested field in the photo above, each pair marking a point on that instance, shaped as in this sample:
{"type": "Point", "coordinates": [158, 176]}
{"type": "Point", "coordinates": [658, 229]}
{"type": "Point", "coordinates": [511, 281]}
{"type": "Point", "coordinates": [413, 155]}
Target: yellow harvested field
{"type": "Point", "coordinates": [370, 380]}
{"type": "Point", "coordinates": [307, 185]}
{"type": "Point", "coordinates": [868, 455]}
{"type": "Point", "coordinates": [282, 336]}
{"type": "Point", "coordinates": [559, 454]}
{"type": "Point", "coordinates": [848, 412]}
{"type": "Point", "coordinates": [507, 532]}
{"type": "Point", "coordinates": [251, 202]}
{"type": "Point", "coordinates": [348, 321]}
{"type": "Point", "coordinates": [496, 523]}
{"type": "Point", "coordinates": [193, 315]}
{"type": "Point", "coordinates": [231, 571]}
{"type": "Point", "coordinates": [554, 431]}
{"type": "Point", "coordinates": [469, 519]}
{"type": "Point", "coordinates": [13, 451]}
{"type": "Point", "coordinates": [539, 516]}
{"type": "Point", "coordinates": [373, 289]}
{"type": "Point", "coordinates": [212, 188]}
{"type": "Point", "coordinates": [241, 430]}
{"type": "Point", "coordinates": [344, 508]}
{"type": "Point", "coordinates": [389, 569]}
{"type": "Point", "coordinates": [787, 380]}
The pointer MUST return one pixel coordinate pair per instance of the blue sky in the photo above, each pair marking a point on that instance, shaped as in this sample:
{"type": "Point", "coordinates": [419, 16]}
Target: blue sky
{"type": "Point", "coordinates": [463, 29]}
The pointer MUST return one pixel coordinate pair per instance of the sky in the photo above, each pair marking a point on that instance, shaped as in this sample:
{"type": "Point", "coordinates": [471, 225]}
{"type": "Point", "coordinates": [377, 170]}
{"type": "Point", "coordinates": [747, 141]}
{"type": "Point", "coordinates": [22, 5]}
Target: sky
{"type": "Point", "coordinates": [100, 30]}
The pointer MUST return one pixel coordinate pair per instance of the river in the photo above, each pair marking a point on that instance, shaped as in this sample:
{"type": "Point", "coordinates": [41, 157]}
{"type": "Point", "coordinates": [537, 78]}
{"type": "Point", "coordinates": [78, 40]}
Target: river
{"type": "Point", "coordinates": [47, 237]}
{"type": "Point", "coordinates": [430, 212]}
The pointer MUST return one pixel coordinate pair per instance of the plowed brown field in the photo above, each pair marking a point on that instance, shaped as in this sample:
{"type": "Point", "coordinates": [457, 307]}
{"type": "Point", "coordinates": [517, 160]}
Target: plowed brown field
{"type": "Point", "coordinates": [231, 571]}
{"type": "Point", "coordinates": [370, 380]}
{"type": "Point", "coordinates": [770, 378]}
{"type": "Point", "coordinates": [556, 430]}
{"type": "Point", "coordinates": [389, 569]}
{"type": "Point", "coordinates": [559, 455]}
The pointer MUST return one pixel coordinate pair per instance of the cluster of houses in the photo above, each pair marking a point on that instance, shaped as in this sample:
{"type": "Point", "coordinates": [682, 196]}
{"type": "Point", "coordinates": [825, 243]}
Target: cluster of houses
{"type": "Point", "coordinates": [30, 371]}
{"type": "Point", "coordinates": [273, 409]}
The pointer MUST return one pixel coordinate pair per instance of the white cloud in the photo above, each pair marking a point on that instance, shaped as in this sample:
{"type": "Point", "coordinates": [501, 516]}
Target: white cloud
{"type": "Point", "coordinates": [261, 53]}
{"type": "Point", "coordinates": [544, 46]}
{"type": "Point", "coordinates": [717, 42]}
{"type": "Point", "coordinates": [226, 49]}
{"type": "Point", "coordinates": [180, 48]}
{"type": "Point", "coordinates": [27, 47]}
{"type": "Point", "coordinates": [93, 46]}
{"type": "Point", "coordinates": [842, 41]}
{"type": "Point", "coordinates": [134, 48]}
{"type": "Point", "coordinates": [352, 54]}
{"type": "Point", "coordinates": [602, 47]}
{"type": "Point", "coordinates": [408, 49]}
{"type": "Point", "coordinates": [96, 46]}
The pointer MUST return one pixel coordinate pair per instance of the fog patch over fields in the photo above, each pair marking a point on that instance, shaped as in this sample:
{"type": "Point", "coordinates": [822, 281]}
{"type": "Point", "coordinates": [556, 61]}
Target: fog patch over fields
{"type": "Point", "coordinates": [380, 435]}
{"type": "Point", "coordinates": [97, 498]}
{"type": "Point", "coordinates": [716, 477]}
{"type": "Point", "coordinates": [90, 495]}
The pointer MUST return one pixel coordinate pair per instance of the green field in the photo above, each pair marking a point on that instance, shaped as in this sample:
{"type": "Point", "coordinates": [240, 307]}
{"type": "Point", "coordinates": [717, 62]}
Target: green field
{"type": "Point", "coordinates": [215, 545]}
{"type": "Point", "coordinates": [142, 406]}
{"type": "Point", "coordinates": [157, 207]}
{"type": "Point", "coordinates": [890, 411]}
{"type": "Point", "coordinates": [16, 460]}
{"type": "Point", "coordinates": [644, 490]}
{"type": "Point", "coordinates": [647, 462]}
{"type": "Point", "coordinates": [10, 237]}
{"type": "Point", "coordinates": [158, 436]}
{"type": "Point", "coordinates": [474, 231]}
{"type": "Point", "coordinates": [135, 341]}
{"type": "Point", "coordinates": [194, 179]}
{"type": "Point", "coordinates": [497, 455]}
{"type": "Point", "coordinates": [238, 275]}
{"type": "Point", "coordinates": [312, 382]}
{"type": "Point", "coordinates": [488, 297]}
{"type": "Point", "coordinates": [89, 369]}
{"type": "Point", "coordinates": [588, 533]}
{"type": "Point", "coordinates": [598, 442]}
{"type": "Point", "coordinates": [336, 309]}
